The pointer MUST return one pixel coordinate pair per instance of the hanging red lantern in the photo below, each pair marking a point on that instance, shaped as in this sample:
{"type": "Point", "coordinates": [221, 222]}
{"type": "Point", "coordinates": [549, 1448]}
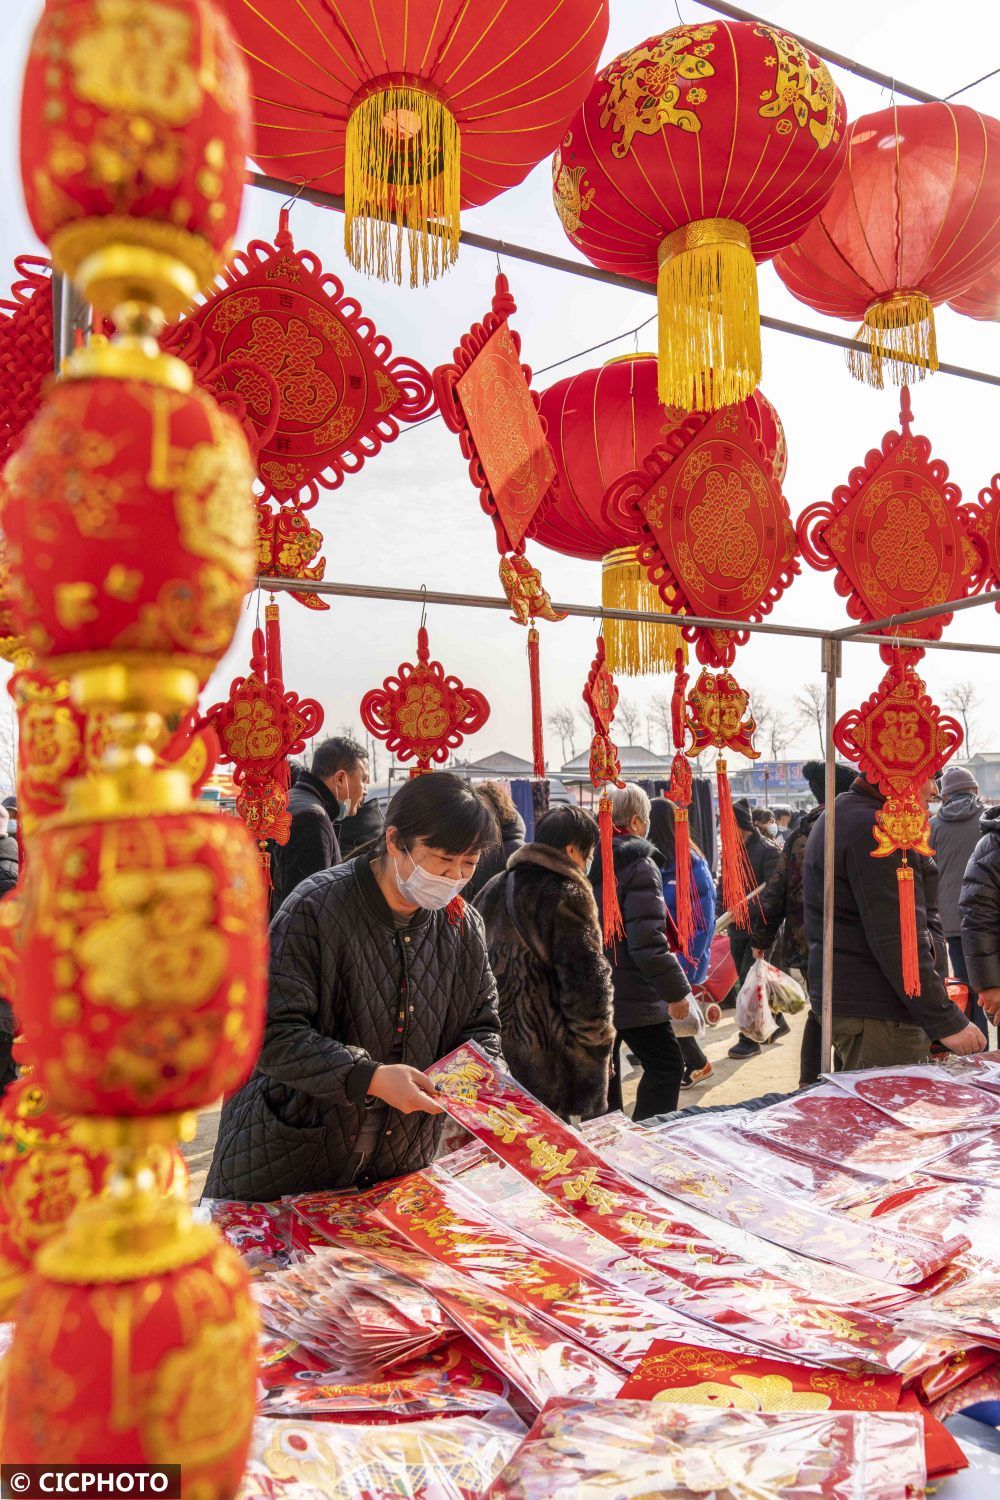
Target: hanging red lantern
{"type": "Point", "coordinates": [897, 535]}
{"type": "Point", "coordinates": [899, 739]}
{"type": "Point", "coordinates": [981, 300]}
{"type": "Point", "coordinates": [135, 131]}
{"type": "Point", "coordinates": [415, 110]}
{"type": "Point", "coordinates": [485, 396]}
{"type": "Point", "coordinates": [421, 713]}
{"type": "Point", "coordinates": [600, 694]}
{"type": "Point", "coordinates": [600, 425]}
{"type": "Point", "coordinates": [341, 392]}
{"type": "Point", "coordinates": [27, 349]}
{"type": "Point", "coordinates": [130, 529]}
{"type": "Point", "coordinates": [914, 219]}
{"type": "Point", "coordinates": [697, 153]}
{"type": "Point", "coordinates": [258, 727]}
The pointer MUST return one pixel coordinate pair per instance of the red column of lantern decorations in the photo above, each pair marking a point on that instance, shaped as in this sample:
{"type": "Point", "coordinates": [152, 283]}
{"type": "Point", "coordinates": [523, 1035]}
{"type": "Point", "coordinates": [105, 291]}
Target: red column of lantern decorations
{"type": "Point", "coordinates": [131, 527]}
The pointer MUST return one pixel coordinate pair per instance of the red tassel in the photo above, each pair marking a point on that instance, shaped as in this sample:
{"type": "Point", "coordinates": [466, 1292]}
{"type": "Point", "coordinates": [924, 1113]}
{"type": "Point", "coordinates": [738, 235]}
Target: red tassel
{"type": "Point", "coordinates": [264, 855]}
{"type": "Point", "coordinates": [737, 871]}
{"type": "Point", "coordinates": [534, 673]}
{"type": "Point", "coordinates": [682, 872]}
{"type": "Point", "coordinates": [272, 636]}
{"type": "Point", "coordinates": [908, 929]}
{"type": "Point", "coordinates": [456, 911]}
{"type": "Point", "coordinates": [614, 927]}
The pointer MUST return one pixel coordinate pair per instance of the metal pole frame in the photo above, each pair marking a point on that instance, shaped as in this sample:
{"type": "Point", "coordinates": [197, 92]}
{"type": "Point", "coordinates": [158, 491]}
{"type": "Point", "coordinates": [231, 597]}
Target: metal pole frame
{"type": "Point", "coordinates": [831, 664]}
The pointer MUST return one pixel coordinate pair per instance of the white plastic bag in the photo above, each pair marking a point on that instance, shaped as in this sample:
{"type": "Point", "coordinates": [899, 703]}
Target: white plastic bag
{"type": "Point", "coordinates": [693, 1024]}
{"type": "Point", "coordinates": [753, 1014]}
{"type": "Point", "coordinates": [784, 993]}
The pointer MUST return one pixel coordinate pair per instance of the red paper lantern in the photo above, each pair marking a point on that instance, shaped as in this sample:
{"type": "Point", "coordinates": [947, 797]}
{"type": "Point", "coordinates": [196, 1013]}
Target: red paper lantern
{"type": "Point", "coordinates": [27, 349]}
{"type": "Point", "coordinates": [421, 713]}
{"type": "Point", "coordinates": [913, 220]}
{"type": "Point", "coordinates": [981, 300]}
{"type": "Point", "coordinates": [897, 534]}
{"type": "Point", "coordinates": [130, 527]}
{"type": "Point", "coordinates": [697, 153]}
{"type": "Point", "coordinates": [142, 974]}
{"type": "Point", "coordinates": [412, 110]}
{"type": "Point", "coordinates": [600, 425]}
{"type": "Point", "coordinates": [341, 392]}
{"type": "Point", "coordinates": [134, 133]}
{"type": "Point", "coordinates": [153, 1366]}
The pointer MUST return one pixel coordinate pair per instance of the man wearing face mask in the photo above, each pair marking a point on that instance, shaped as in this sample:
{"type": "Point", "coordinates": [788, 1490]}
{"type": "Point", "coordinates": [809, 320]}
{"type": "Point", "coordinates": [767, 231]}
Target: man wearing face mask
{"type": "Point", "coordinates": [547, 953]}
{"type": "Point", "coordinates": [320, 799]}
{"type": "Point", "coordinates": [378, 969]}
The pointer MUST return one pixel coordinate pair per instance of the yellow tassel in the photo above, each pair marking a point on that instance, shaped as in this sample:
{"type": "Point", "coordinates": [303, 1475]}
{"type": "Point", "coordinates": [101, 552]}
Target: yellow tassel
{"type": "Point", "coordinates": [901, 338]}
{"type": "Point", "coordinates": [402, 184]}
{"type": "Point", "coordinates": [709, 318]}
{"type": "Point", "coordinates": [635, 647]}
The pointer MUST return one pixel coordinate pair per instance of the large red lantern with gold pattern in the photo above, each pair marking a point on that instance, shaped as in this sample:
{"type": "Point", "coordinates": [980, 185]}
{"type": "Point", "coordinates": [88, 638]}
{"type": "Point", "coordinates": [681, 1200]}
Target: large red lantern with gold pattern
{"type": "Point", "coordinates": [414, 110]}
{"type": "Point", "coordinates": [129, 526]}
{"type": "Point", "coordinates": [137, 1355]}
{"type": "Point", "coordinates": [914, 219]}
{"type": "Point", "coordinates": [134, 135]}
{"type": "Point", "coordinates": [697, 153]}
{"type": "Point", "coordinates": [601, 424]}
{"type": "Point", "coordinates": [142, 972]}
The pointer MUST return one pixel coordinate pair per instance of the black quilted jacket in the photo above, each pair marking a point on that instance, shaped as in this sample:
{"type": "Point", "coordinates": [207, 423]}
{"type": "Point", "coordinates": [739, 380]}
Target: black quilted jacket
{"type": "Point", "coordinates": [980, 906]}
{"type": "Point", "coordinates": [646, 975]}
{"type": "Point", "coordinates": [349, 989]}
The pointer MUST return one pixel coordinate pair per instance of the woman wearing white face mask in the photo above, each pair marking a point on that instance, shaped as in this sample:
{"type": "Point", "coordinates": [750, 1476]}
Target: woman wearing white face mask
{"type": "Point", "coordinates": [377, 970]}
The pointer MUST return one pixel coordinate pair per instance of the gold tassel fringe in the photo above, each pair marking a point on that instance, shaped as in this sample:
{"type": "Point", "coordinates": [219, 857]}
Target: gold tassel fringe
{"type": "Point", "coordinates": [635, 647]}
{"type": "Point", "coordinates": [709, 317]}
{"type": "Point", "coordinates": [901, 338]}
{"type": "Point", "coordinates": [402, 185]}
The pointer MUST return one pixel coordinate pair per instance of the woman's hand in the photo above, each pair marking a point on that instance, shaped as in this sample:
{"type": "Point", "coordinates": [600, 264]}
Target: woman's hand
{"type": "Point", "coordinates": [678, 1010]}
{"type": "Point", "coordinates": [404, 1088]}
{"type": "Point", "coordinates": [990, 1001]}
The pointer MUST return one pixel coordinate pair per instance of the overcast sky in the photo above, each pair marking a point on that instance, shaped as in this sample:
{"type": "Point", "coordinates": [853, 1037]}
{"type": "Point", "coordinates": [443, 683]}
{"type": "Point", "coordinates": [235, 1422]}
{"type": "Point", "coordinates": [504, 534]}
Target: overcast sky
{"type": "Point", "coordinates": [412, 517]}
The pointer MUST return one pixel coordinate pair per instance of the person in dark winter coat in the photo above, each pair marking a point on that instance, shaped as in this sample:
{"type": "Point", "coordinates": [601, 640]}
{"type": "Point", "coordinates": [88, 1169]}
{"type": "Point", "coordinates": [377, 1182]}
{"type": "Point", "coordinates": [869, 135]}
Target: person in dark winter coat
{"type": "Point", "coordinates": [649, 983]}
{"type": "Point", "coordinates": [376, 973]}
{"type": "Point", "coordinates": [662, 820]}
{"type": "Point", "coordinates": [955, 833]}
{"type": "Point", "coordinates": [512, 836]}
{"type": "Point", "coordinates": [875, 1023]}
{"type": "Point", "coordinates": [979, 905]}
{"type": "Point", "coordinates": [764, 855]}
{"type": "Point", "coordinates": [553, 980]}
{"type": "Point", "coordinates": [360, 828]}
{"type": "Point", "coordinates": [781, 912]}
{"type": "Point", "coordinates": [8, 880]}
{"type": "Point", "coordinates": [320, 798]}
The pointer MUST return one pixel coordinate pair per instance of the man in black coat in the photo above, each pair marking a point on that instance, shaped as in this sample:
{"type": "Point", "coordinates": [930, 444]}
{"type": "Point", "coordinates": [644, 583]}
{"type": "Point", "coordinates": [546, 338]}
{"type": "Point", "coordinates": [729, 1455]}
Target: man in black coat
{"type": "Point", "coordinates": [875, 1023]}
{"type": "Point", "coordinates": [332, 790]}
{"type": "Point", "coordinates": [547, 955]}
{"type": "Point", "coordinates": [764, 855]}
{"type": "Point", "coordinates": [649, 983]}
{"type": "Point", "coordinates": [979, 905]}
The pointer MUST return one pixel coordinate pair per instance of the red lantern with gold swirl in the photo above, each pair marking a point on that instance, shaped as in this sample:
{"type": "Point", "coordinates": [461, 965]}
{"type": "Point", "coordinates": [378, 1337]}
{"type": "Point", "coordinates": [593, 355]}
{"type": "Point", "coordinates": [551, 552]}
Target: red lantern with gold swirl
{"type": "Point", "coordinates": [141, 984]}
{"type": "Point", "coordinates": [130, 527]}
{"type": "Point", "coordinates": [135, 131]}
{"type": "Point", "coordinates": [913, 220]}
{"type": "Point", "coordinates": [137, 1355]}
{"type": "Point", "coordinates": [602, 423]}
{"type": "Point", "coordinates": [697, 153]}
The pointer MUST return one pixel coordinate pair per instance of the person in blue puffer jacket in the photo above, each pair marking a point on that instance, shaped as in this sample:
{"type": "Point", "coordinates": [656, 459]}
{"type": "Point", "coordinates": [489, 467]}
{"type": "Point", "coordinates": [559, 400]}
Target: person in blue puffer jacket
{"type": "Point", "coordinates": [661, 835]}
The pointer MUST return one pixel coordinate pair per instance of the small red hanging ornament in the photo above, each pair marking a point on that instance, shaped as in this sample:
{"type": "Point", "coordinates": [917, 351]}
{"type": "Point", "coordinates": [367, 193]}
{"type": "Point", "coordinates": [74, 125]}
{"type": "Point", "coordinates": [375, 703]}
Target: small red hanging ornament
{"type": "Point", "coordinates": [718, 714]}
{"type": "Point", "coordinates": [600, 694]}
{"type": "Point", "coordinates": [897, 534]}
{"type": "Point", "coordinates": [422, 714]}
{"type": "Point", "coordinates": [26, 348]}
{"type": "Point", "coordinates": [898, 739]}
{"type": "Point", "coordinates": [286, 546]}
{"type": "Point", "coordinates": [485, 396]}
{"type": "Point", "coordinates": [342, 394]}
{"type": "Point", "coordinates": [259, 726]}
{"type": "Point", "coordinates": [679, 793]}
{"type": "Point", "coordinates": [984, 520]}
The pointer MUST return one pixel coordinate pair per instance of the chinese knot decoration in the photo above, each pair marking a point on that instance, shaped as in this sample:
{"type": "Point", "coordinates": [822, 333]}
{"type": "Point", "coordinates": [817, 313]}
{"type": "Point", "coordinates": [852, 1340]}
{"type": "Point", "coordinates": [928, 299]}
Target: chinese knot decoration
{"type": "Point", "coordinates": [421, 713]}
{"type": "Point", "coordinates": [485, 396]}
{"type": "Point", "coordinates": [259, 726]}
{"type": "Point", "coordinates": [718, 714]}
{"type": "Point", "coordinates": [26, 345]}
{"type": "Point", "coordinates": [342, 395]}
{"type": "Point", "coordinates": [897, 535]}
{"type": "Point", "coordinates": [600, 694]}
{"type": "Point", "coordinates": [899, 739]}
{"type": "Point", "coordinates": [985, 523]}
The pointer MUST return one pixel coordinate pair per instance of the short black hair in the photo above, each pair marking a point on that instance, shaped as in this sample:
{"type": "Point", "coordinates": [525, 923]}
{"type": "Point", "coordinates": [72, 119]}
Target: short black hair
{"type": "Point", "coordinates": [567, 824]}
{"type": "Point", "coordinates": [336, 754]}
{"type": "Point", "coordinates": [443, 810]}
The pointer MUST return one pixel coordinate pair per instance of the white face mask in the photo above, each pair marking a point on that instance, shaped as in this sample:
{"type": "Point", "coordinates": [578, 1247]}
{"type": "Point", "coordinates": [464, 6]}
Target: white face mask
{"type": "Point", "coordinates": [589, 864]}
{"type": "Point", "coordinates": [432, 892]}
{"type": "Point", "coordinates": [771, 829]}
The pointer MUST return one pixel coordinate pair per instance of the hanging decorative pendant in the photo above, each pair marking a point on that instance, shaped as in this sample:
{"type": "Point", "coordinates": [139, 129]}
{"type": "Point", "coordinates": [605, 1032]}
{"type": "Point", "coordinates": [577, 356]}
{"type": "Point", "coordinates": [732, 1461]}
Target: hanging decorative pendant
{"type": "Point", "coordinates": [286, 546]}
{"type": "Point", "coordinates": [26, 348]}
{"type": "Point", "coordinates": [718, 714]}
{"type": "Point", "coordinates": [600, 694]}
{"type": "Point", "coordinates": [421, 713]}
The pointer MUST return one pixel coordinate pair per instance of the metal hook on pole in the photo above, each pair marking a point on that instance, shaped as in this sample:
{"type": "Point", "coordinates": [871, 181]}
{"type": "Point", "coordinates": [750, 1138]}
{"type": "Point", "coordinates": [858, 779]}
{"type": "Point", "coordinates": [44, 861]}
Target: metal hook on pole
{"type": "Point", "coordinates": [423, 606]}
{"type": "Point", "coordinates": [286, 206]}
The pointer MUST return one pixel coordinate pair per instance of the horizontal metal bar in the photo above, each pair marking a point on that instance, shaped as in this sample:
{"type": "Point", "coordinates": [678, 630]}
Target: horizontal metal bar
{"type": "Point", "coordinates": [293, 190]}
{"type": "Point", "coordinates": [911, 616]}
{"type": "Point", "coordinates": [881, 640]}
{"type": "Point", "coordinates": [587, 612]}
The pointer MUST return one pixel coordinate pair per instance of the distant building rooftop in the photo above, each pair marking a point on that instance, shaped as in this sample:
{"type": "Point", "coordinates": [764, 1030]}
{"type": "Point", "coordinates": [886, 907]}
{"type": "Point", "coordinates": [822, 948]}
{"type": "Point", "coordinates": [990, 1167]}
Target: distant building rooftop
{"type": "Point", "coordinates": [502, 763]}
{"type": "Point", "coordinates": [639, 763]}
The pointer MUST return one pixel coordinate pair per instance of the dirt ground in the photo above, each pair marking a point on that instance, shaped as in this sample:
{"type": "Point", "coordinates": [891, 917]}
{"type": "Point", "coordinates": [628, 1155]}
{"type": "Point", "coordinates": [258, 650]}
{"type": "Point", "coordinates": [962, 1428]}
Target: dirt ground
{"type": "Point", "coordinates": [775, 1070]}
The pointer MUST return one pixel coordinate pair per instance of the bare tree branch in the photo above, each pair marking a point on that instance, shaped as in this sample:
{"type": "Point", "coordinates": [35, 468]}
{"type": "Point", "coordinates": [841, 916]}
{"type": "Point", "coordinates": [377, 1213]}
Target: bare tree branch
{"type": "Point", "coordinates": [963, 699]}
{"type": "Point", "coordinates": [562, 721]}
{"type": "Point", "coordinates": [629, 715]}
{"type": "Point", "coordinates": [810, 703]}
{"type": "Point", "coordinates": [660, 719]}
